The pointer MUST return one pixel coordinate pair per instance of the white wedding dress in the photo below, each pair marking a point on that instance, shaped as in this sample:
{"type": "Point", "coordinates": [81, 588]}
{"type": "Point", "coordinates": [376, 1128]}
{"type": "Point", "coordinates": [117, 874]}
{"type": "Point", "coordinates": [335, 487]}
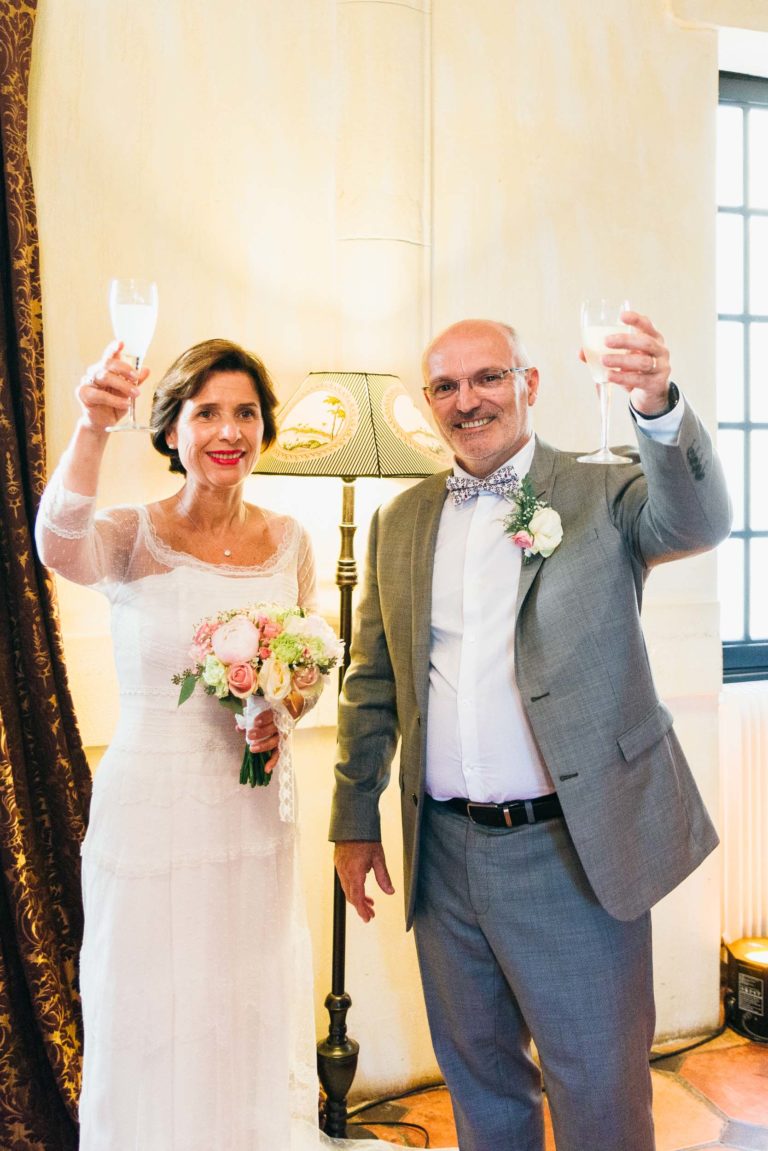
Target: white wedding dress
{"type": "Point", "coordinates": [196, 972]}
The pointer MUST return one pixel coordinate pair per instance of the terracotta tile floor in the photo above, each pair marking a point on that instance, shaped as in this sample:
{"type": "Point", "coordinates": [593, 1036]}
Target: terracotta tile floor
{"type": "Point", "coordinates": [715, 1096]}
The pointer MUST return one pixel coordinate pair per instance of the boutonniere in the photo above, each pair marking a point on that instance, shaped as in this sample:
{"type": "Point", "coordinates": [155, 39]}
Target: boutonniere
{"type": "Point", "coordinates": [533, 525]}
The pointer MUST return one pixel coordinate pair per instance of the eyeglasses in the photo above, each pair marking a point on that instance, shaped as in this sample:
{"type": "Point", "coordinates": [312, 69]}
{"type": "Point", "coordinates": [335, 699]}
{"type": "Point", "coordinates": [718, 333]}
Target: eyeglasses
{"type": "Point", "coordinates": [484, 383]}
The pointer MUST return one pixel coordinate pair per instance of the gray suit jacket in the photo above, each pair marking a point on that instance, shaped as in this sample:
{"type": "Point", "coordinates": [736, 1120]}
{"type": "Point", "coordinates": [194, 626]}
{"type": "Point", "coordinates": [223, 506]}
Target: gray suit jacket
{"type": "Point", "coordinates": [630, 802]}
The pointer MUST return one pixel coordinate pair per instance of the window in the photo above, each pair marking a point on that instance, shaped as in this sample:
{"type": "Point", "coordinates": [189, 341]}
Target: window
{"type": "Point", "coordinates": [742, 368]}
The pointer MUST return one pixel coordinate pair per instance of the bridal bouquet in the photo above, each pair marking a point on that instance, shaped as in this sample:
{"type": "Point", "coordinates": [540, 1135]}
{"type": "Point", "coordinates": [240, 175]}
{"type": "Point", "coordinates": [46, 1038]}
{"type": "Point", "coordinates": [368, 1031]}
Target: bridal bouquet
{"type": "Point", "coordinates": [251, 658]}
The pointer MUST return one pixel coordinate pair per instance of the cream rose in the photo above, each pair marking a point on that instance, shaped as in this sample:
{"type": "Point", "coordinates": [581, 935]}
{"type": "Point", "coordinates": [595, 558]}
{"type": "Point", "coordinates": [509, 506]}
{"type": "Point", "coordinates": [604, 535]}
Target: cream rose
{"type": "Point", "coordinates": [236, 641]}
{"type": "Point", "coordinates": [547, 531]}
{"type": "Point", "coordinates": [274, 679]}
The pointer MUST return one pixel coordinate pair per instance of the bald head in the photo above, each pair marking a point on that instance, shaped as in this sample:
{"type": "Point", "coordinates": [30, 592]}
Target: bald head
{"type": "Point", "coordinates": [473, 330]}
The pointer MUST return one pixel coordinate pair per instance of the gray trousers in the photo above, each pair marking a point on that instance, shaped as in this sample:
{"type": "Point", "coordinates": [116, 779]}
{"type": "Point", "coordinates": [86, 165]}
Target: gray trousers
{"type": "Point", "coordinates": [512, 944]}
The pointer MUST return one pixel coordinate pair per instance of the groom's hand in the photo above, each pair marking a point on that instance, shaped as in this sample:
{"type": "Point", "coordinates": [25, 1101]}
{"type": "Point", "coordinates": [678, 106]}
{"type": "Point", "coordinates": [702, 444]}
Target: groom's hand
{"type": "Point", "coordinates": [353, 860]}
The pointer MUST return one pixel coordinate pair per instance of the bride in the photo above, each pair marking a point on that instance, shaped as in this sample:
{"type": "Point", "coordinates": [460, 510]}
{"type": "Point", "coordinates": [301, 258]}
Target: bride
{"type": "Point", "coordinates": [196, 969]}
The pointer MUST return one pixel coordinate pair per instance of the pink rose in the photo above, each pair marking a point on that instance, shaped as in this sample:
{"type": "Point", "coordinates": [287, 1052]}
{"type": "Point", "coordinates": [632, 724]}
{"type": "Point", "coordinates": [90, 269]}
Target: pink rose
{"type": "Point", "coordinates": [270, 629]}
{"type": "Point", "coordinates": [523, 539]}
{"type": "Point", "coordinates": [305, 677]}
{"type": "Point", "coordinates": [236, 641]}
{"type": "Point", "coordinates": [241, 679]}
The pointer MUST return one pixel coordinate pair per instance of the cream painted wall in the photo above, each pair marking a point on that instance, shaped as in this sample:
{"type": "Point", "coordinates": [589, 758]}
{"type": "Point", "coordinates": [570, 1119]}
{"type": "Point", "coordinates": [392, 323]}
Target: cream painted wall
{"type": "Point", "coordinates": [328, 183]}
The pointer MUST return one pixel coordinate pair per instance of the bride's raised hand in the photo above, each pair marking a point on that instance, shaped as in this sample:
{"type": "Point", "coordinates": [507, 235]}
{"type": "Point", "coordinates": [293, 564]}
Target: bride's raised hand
{"type": "Point", "coordinates": [106, 389]}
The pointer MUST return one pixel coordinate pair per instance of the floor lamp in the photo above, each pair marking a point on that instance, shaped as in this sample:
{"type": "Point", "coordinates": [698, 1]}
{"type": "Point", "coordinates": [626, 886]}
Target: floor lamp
{"type": "Point", "coordinates": [350, 425]}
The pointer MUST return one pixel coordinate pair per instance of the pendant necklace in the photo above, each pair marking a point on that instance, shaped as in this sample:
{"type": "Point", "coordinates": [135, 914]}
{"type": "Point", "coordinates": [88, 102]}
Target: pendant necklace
{"type": "Point", "coordinates": [227, 551]}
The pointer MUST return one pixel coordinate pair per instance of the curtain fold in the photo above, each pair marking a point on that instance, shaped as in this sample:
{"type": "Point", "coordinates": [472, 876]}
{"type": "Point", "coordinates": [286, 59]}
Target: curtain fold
{"type": "Point", "coordinates": [44, 777]}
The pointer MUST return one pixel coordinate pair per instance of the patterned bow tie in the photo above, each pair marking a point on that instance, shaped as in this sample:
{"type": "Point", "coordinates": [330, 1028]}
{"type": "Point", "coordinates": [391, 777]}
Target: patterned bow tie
{"type": "Point", "coordinates": [501, 483]}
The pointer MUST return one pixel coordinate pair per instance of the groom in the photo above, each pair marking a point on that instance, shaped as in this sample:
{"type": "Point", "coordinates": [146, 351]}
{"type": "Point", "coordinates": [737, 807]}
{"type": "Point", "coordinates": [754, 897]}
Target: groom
{"type": "Point", "coordinates": [546, 802]}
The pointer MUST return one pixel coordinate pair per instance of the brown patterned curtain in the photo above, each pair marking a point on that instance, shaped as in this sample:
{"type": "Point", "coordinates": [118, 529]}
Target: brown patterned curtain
{"type": "Point", "coordinates": [44, 778]}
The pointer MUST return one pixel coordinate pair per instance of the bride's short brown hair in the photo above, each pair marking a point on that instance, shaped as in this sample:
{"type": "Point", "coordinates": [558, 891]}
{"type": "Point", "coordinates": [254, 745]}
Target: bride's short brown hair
{"type": "Point", "coordinates": [187, 376]}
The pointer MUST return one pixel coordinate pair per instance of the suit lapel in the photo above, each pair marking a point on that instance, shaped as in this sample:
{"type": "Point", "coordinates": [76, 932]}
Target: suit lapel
{"type": "Point", "coordinates": [423, 542]}
{"type": "Point", "coordinates": [542, 474]}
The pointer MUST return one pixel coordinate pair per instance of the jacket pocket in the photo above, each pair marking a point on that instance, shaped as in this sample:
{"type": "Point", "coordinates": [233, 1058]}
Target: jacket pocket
{"type": "Point", "coordinates": [651, 728]}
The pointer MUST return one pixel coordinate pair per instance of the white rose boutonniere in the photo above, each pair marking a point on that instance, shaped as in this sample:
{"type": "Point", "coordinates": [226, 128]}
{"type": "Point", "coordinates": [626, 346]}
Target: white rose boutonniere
{"type": "Point", "coordinates": [533, 525]}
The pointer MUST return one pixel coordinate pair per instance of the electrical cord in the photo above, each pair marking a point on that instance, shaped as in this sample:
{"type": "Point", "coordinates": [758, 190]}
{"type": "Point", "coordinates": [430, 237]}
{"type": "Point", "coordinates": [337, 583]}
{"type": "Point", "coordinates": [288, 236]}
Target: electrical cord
{"type": "Point", "coordinates": [660, 1055]}
{"type": "Point", "coordinates": [425, 1087]}
{"type": "Point", "coordinates": [372, 1103]}
{"type": "Point", "coordinates": [395, 1123]}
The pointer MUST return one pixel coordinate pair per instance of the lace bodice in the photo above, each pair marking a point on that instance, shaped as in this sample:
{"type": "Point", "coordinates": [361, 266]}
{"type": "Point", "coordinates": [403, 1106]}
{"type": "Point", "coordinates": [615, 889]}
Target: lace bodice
{"type": "Point", "coordinates": [158, 596]}
{"type": "Point", "coordinates": [118, 546]}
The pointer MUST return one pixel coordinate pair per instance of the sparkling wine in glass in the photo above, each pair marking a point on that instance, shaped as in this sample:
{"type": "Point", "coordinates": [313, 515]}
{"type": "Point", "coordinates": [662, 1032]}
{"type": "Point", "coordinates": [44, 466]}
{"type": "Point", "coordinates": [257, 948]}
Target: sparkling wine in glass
{"type": "Point", "coordinates": [601, 318]}
{"type": "Point", "coordinates": [133, 309]}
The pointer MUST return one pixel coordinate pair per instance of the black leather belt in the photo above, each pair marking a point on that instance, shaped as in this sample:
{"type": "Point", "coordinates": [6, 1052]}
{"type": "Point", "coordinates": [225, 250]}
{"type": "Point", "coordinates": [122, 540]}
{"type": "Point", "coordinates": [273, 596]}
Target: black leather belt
{"type": "Point", "coordinates": [514, 814]}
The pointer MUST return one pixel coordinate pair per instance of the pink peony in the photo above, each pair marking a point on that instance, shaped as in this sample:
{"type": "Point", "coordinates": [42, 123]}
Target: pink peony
{"type": "Point", "coordinates": [241, 679]}
{"type": "Point", "coordinates": [305, 677]}
{"type": "Point", "coordinates": [523, 539]}
{"type": "Point", "coordinates": [236, 641]}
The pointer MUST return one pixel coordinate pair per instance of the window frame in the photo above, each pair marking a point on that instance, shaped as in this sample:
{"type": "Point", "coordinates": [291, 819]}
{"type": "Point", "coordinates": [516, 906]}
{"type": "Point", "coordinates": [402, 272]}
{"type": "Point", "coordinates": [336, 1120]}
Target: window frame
{"type": "Point", "coordinates": [744, 659]}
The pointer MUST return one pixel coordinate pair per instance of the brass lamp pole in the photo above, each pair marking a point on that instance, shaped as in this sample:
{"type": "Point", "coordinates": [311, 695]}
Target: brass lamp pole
{"type": "Point", "coordinates": [337, 1053]}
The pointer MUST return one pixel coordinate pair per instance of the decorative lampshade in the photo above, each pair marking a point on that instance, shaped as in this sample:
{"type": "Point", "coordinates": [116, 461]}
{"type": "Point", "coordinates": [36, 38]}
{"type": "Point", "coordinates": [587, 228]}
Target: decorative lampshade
{"type": "Point", "coordinates": [353, 424]}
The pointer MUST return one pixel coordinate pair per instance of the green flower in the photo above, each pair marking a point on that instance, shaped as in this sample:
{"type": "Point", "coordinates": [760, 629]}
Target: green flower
{"type": "Point", "coordinates": [214, 675]}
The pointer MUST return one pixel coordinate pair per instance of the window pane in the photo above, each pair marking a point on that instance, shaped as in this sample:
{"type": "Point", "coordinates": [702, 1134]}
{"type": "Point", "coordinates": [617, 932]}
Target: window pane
{"type": "Point", "coordinates": [730, 574]}
{"type": "Point", "coordinates": [730, 264]}
{"type": "Point", "coordinates": [758, 157]}
{"type": "Point", "coordinates": [758, 373]}
{"type": "Point", "coordinates": [758, 598]}
{"type": "Point", "coordinates": [758, 482]}
{"type": "Point", "coordinates": [730, 445]}
{"type": "Point", "coordinates": [730, 371]}
{"type": "Point", "coordinates": [730, 153]}
{"type": "Point", "coordinates": [758, 266]}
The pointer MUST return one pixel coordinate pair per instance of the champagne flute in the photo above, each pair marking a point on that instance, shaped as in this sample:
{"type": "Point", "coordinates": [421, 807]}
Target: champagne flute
{"type": "Point", "coordinates": [601, 318]}
{"type": "Point", "coordinates": [133, 309]}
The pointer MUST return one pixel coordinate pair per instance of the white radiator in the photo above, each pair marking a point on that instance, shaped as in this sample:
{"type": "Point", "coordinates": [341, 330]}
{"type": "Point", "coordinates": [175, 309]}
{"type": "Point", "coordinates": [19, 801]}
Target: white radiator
{"type": "Point", "coordinates": [744, 809]}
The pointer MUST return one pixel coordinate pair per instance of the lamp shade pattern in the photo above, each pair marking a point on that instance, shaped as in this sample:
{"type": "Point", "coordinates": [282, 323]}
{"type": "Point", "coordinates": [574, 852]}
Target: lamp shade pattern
{"type": "Point", "coordinates": [353, 424]}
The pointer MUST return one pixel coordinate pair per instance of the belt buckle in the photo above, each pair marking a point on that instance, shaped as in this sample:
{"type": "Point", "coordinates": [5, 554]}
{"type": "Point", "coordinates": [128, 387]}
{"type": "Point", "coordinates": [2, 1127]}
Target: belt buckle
{"type": "Point", "coordinates": [483, 807]}
{"type": "Point", "coordinates": [504, 808]}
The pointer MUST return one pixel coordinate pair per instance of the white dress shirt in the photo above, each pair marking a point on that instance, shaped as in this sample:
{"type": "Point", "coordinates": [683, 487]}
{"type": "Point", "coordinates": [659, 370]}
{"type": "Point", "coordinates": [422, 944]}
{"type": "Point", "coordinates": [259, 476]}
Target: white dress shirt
{"type": "Point", "coordinates": [479, 743]}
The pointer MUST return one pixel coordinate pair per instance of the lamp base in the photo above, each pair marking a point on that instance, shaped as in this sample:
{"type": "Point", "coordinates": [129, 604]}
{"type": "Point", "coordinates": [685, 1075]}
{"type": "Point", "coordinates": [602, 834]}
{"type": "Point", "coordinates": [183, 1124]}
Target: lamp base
{"type": "Point", "coordinates": [336, 1066]}
{"type": "Point", "coordinates": [746, 993]}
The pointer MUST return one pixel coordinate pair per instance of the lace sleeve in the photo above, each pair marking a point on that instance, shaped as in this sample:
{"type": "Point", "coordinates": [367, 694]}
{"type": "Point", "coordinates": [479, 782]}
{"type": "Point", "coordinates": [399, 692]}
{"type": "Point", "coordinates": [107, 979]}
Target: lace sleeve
{"type": "Point", "coordinates": [305, 572]}
{"type": "Point", "coordinates": [81, 545]}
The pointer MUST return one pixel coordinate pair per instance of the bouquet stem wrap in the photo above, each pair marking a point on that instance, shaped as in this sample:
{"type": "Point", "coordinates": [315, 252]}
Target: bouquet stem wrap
{"type": "Point", "coordinates": [252, 768]}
